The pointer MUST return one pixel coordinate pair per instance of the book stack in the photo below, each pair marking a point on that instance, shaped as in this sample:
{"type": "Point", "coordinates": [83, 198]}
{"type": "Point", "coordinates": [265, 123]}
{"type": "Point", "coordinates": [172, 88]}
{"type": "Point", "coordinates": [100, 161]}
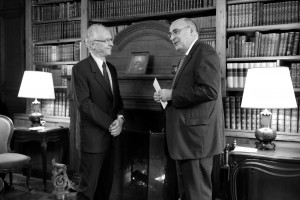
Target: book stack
{"type": "Point", "coordinates": [261, 13]}
{"type": "Point", "coordinates": [56, 11]}
{"type": "Point", "coordinates": [295, 74]}
{"type": "Point", "coordinates": [283, 120]}
{"type": "Point", "coordinates": [56, 31]}
{"type": "Point", "coordinates": [56, 53]}
{"type": "Point", "coordinates": [118, 9]}
{"type": "Point", "coordinates": [57, 107]}
{"type": "Point", "coordinates": [263, 45]}
{"type": "Point", "coordinates": [236, 73]}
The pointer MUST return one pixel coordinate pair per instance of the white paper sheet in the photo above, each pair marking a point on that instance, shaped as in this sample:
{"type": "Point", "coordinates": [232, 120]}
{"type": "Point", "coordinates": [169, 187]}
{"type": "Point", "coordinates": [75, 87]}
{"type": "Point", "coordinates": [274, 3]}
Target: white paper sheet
{"type": "Point", "coordinates": [245, 149]}
{"type": "Point", "coordinates": [157, 88]}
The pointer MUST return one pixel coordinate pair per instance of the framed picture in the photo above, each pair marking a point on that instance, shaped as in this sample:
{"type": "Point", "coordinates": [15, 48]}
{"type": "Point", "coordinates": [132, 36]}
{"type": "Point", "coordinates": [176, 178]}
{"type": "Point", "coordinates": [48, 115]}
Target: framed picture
{"type": "Point", "coordinates": [138, 63]}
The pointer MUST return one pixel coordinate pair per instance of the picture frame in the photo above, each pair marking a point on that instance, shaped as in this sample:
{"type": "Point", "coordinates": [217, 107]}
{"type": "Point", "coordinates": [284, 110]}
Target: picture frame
{"type": "Point", "coordinates": [138, 63]}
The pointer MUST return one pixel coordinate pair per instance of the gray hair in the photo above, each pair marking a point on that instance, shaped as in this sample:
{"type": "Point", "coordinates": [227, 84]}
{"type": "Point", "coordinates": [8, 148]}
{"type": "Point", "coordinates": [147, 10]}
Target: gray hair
{"type": "Point", "coordinates": [93, 31]}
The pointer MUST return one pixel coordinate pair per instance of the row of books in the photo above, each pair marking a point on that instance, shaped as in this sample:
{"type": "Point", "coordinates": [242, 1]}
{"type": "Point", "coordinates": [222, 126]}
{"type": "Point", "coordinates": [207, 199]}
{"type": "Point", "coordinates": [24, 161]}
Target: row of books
{"type": "Point", "coordinates": [56, 11]}
{"type": "Point", "coordinates": [295, 74]}
{"type": "Point", "coordinates": [207, 33]}
{"type": "Point", "coordinates": [115, 30]}
{"type": "Point", "coordinates": [206, 27]}
{"type": "Point", "coordinates": [260, 13]}
{"type": "Point", "coordinates": [263, 44]}
{"type": "Point", "coordinates": [283, 120]}
{"type": "Point", "coordinates": [116, 9]}
{"type": "Point", "coordinates": [205, 22]}
{"type": "Point", "coordinates": [60, 106]}
{"type": "Point", "coordinates": [58, 73]}
{"type": "Point", "coordinates": [236, 73]}
{"type": "Point", "coordinates": [210, 42]}
{"type": "Point", "coordinates": [56, 53]}
{"type": "Point", "coordinates": [56, 30]}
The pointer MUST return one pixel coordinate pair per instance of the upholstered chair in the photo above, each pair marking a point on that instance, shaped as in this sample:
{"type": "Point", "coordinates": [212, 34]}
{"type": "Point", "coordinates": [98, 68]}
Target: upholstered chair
{"type": "Point", "coordinates": [11, 162]}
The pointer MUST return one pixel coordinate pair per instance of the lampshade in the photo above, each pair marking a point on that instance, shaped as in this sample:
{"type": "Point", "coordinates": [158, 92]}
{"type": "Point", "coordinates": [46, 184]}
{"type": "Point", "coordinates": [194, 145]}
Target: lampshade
{"type": "Point", "coordinates": [269, 88]}
{"type": "Point", "coordinates": [36, 84]}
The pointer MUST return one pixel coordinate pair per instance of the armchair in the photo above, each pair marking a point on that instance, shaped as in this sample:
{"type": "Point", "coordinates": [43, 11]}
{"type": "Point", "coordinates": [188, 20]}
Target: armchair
{"type": "Point", "coordinates": [11, 162]}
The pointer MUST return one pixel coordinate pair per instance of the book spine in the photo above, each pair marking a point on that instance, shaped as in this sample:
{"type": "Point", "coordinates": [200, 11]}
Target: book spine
{"type": "Point", "coordinates": [232, 112]}
{"type": "Point", "coordinates": [227, 112]}
{"type": "Point", "coordinates": [287, 120]}
{"type": "Point", "coordinates": [280, 120]}
{"type": "Point", "coordinates": [238, 112]}
{"type": "Point", "coordinates": [274, 119]}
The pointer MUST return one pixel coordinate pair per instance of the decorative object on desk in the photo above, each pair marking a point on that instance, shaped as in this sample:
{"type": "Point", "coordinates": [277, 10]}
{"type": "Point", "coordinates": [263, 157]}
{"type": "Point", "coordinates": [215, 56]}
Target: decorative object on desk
{"type": "Point", "coordinates": [36, 84]}
{"type": "Point", "coordinates": [268, 88]}
{"type": "Point", "coordinates": [63, 186]}
{"type": "Point", "coordinates": [138, 63]}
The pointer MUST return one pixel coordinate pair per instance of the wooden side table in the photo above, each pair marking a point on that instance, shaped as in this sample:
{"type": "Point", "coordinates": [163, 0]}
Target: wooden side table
{"type": "Point", "coordinates": [282, 164]}
{"type": "Point", "coordinates": [49, 134]}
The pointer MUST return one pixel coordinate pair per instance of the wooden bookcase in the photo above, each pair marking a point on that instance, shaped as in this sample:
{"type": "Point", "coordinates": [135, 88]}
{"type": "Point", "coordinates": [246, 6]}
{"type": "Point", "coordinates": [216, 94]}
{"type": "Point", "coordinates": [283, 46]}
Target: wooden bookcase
{"type": "Point", "coordinates": [275, 18]}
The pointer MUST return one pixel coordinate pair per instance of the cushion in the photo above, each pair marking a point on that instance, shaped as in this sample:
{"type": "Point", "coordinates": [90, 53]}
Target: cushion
{"type": "Point", "coordinates": [13, 160]}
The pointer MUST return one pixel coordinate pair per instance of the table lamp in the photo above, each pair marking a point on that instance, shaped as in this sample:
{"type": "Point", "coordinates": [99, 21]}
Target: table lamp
{"type": "Point", "coordinates": [268, 88]}
{"type": "Point", "coordinates": [36, 84]}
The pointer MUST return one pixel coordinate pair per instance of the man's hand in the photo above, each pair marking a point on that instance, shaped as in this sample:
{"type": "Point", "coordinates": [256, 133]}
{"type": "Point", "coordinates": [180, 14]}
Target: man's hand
{"type": "Point", "coordinates": [163, 95]}
{"type": "Point", "coordinates": [116, 127]}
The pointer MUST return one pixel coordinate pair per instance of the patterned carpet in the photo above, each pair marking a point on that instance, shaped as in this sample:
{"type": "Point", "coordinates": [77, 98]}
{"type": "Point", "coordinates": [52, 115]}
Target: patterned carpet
{"type": "Point", "coordinates": [21, 192]}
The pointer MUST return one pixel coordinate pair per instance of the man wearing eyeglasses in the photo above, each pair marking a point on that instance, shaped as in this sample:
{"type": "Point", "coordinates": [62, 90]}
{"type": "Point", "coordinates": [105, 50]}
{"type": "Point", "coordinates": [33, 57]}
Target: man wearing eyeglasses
{"type": "Point", "coordinates": [97, 97]}
{"type": "Point", "coordinates": [194, 113]}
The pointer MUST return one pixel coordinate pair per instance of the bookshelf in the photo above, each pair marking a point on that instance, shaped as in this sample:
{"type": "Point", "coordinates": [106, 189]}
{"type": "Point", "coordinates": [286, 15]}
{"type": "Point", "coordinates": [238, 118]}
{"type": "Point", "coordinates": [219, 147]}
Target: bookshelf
{"type": "Point", "coordinates": [53, 32]}
{"type": "Point", "coordinates": [260, 33]}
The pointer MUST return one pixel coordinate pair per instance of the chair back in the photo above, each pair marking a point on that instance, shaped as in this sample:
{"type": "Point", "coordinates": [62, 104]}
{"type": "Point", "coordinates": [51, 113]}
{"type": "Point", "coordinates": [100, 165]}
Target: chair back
{"type": "Point", "coordinates": [6, 131]}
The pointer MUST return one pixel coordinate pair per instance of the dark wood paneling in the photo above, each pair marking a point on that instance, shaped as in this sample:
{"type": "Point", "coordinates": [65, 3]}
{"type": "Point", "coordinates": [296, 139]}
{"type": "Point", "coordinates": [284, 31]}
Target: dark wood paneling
{"type": "Point", "coordinates": [12, 63]}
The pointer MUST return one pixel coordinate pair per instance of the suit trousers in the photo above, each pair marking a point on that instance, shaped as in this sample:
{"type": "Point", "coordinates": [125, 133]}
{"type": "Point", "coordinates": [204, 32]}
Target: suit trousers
{"type": "Point", "coordinates": [96, 176]}
{"type": "Point", "coordinates": [194, 178]}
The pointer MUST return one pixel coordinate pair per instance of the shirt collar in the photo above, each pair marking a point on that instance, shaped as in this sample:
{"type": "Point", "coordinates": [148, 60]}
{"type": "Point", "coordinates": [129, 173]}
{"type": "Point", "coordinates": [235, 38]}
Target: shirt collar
{"type": "Point", "coordinates": [99, 61]}
{"type": "Point", "coordinates": [188, 51]}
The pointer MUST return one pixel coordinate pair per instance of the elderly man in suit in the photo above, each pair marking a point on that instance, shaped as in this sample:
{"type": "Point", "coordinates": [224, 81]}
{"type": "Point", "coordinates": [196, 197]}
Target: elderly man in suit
{"type": "Point", "coordinates": [100, 106]}
{"type": "Point", "coordinates": [194, 114]}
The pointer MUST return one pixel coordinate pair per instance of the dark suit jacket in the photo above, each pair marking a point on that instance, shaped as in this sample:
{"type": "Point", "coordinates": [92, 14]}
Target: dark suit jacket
{"type": "Point", "coordinates": [97, 106]}
{"type": "Point", "coordinates": [195, 124]}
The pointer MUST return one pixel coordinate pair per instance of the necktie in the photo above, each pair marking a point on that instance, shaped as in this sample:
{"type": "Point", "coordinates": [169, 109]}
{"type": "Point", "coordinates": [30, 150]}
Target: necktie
{"type": "Point", "coordinates": [179, 66]}
{"type": "Point", "coordinates": [105, 74]}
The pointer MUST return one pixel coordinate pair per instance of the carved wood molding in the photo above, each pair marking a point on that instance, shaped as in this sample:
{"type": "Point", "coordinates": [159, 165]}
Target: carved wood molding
{"type": "Point", "coordinates": [140, 29]}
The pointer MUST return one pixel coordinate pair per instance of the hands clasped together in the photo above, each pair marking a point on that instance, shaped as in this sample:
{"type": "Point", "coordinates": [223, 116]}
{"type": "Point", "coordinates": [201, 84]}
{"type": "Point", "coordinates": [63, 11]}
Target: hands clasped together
{"type": "Point", "coordinates": [116, 127]}
{"type": "Point", "coordinates": [163, 95]}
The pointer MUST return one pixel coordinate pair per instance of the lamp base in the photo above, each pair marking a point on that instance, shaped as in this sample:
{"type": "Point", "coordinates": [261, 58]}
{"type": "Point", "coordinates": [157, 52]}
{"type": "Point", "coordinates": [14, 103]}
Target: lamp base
{"type": "Point", "coordinates": [35, 119]}
{"type": "Point", "coordinates": [265, 146]}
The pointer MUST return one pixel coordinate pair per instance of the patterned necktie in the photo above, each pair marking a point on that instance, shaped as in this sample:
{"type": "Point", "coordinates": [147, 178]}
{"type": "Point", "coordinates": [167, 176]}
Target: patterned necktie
{"type": "Point", "coordinates": [179, 66]}
{"type": "Point", "coordinates": [105, 74]}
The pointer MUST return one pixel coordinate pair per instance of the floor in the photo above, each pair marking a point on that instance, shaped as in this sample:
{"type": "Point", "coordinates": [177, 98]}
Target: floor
{"type": "Point", "coordinates": [21, 192]}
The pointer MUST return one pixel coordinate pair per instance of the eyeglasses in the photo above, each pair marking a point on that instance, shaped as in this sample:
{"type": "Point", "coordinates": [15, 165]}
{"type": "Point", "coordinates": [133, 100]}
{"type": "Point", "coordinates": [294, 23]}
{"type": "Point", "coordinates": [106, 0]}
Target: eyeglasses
{"type": "Point", "coordinates": [176, 31]}
{"type": "Point", "coordinates": [107, 41]}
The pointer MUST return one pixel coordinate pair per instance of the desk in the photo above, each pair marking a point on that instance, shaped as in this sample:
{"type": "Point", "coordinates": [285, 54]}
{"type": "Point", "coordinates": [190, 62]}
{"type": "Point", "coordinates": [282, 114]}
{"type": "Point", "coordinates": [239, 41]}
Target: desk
{"type": "Point", "coordinates": [282, 163]}
{"type": "Point", "coordinates": [49, 134]}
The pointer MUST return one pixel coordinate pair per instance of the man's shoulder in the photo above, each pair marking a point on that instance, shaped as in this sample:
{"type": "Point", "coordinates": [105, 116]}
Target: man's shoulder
{"type": "Point", "coordinates": [82, 63]}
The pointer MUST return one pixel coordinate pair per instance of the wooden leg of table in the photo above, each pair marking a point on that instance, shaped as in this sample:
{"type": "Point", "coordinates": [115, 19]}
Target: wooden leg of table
{"type": "Point", "coordinates": [44, 161]}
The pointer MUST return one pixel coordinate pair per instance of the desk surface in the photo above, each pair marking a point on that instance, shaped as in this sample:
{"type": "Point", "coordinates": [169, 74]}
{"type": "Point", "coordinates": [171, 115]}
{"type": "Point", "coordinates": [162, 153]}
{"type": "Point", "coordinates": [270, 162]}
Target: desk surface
{"type": "Point", "coordinates": [46, 129]}
{"type": "Point", "coordinates": [280, 153]}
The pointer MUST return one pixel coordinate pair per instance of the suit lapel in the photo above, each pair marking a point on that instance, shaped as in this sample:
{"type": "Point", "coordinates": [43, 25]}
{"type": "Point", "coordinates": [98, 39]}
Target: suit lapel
{"type": "Point", "coordinates": [186, 61]}
{"type": "Point", "coordinates": [99, 77]}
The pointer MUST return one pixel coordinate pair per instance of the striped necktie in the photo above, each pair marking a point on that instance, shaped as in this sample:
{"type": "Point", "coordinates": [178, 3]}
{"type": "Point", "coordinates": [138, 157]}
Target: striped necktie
{"type": "Point", "coordinates": [179, 66]}
{"type": "Point", "coordinates": [105, 74]}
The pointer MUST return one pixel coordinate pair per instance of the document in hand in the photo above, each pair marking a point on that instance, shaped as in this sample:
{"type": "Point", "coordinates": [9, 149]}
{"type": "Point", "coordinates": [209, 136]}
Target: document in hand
{"type": "Point", "coordinates": [157, 88]}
